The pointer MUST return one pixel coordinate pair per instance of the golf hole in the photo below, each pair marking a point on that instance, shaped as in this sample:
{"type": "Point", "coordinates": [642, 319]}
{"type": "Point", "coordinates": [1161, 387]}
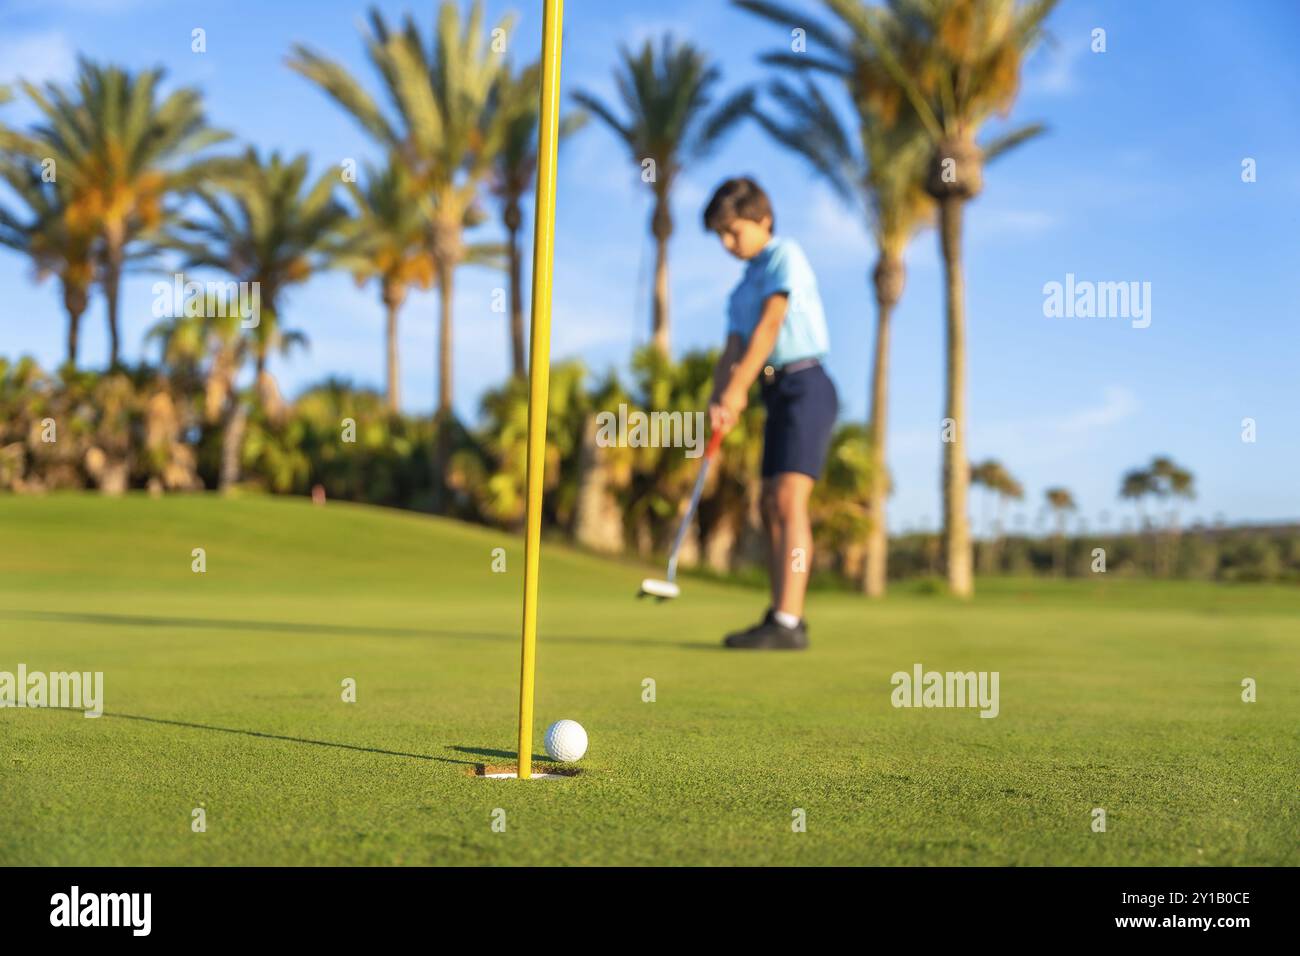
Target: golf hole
{"type": "Point", "coordinates": [511, 772]}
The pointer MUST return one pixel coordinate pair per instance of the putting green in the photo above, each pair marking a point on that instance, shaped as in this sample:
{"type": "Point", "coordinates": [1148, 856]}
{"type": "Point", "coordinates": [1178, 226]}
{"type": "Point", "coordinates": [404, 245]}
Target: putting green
{"type": "Point", "coordinates": [223, 694]}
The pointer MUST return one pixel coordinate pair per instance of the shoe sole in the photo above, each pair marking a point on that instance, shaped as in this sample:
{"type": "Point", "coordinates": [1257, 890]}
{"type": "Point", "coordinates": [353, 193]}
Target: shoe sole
{"type": "Point", "coordinates": [765, 647]}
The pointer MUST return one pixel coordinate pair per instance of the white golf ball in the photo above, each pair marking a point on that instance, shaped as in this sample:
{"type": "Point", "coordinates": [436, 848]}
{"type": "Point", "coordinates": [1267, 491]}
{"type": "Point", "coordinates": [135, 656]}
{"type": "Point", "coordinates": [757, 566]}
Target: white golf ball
{"type": "Point", "coordinates": [566, 741]}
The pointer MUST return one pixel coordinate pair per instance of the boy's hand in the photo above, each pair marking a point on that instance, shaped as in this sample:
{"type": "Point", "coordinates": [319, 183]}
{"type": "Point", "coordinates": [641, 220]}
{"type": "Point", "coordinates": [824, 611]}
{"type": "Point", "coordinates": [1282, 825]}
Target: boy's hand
{"type": "Point", "coordinates": [729, 406]}
{"type": "Point", "coordinates": [720, 420]}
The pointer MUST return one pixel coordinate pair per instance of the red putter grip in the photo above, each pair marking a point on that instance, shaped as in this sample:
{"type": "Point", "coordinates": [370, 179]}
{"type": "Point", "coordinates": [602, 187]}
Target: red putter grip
{"type": "Point", "coordinates": [714, 441]}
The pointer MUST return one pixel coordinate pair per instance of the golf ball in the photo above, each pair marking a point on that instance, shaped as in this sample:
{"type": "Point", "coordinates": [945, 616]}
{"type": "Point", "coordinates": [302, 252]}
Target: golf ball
{"type": "Point", "coordinates": [566, 741]}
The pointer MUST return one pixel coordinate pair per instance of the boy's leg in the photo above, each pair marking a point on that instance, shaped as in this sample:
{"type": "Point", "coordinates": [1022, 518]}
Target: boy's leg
{"type": "Point", "coordinates": [785, 514]}
{"type": "Point", "coordinates": [790, 493]}
{"type": "Point", "coordinates": [772, 525]}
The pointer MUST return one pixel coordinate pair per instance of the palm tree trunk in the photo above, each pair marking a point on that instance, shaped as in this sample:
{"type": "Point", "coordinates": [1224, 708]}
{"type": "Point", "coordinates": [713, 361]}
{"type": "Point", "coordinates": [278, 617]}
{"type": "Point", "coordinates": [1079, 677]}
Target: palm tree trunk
{"type": "Point", "coordinates": [720, 545]}
{"type": "Point", "coordinates": [1175, 543]}
{"type": "Point", "coordinates": [956, 466]}
{"type": "Point", "coordinates": [662, 228]}
{"type": "Point", "coordinates": [1144, 539]}
{"type": "Point", "coordinates": [74, 332]}
{"type": "Point", "coordinates": [998, 535]}
{"type": "Point", "coordinates": [597, 519]}
{"type": "Point", "coordinates": [985, 562]}
{"type": "Point", "coordinates": [888, 279]}
{"type": "Point", "coordinates": [393, 369]}
{"type": "Point", "coordinates": [1058, 546]}
{"type": "Point", "coordinates": [445, 295]}
{"type": "Point", "coordinates": [232, 444]}
{"type": "Point", "coordinates": [442, 416]}
{"type": "Point", "coordinates": [518, 358]}
{"type": "Point", "coordinates": [112, 292]}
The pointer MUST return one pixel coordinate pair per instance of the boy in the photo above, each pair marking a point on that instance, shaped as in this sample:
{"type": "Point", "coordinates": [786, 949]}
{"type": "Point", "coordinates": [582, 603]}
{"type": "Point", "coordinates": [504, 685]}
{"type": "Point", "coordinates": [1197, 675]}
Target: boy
{"type": "Point", "coordinates": [775, 329]}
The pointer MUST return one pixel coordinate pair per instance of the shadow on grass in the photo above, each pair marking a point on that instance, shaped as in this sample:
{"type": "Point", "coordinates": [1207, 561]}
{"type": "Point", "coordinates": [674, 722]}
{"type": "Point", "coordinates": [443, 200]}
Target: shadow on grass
{"type": "Point", "coordinates": [258, 733]}
{"type": "Point", "coordinates": [344, 630]}
{"type": "Point", "coordinates": [474, 751]}
{"type": "Point", "coordinates": [487, 752]}
{"type": "Point", "coordinates": [284, 627]}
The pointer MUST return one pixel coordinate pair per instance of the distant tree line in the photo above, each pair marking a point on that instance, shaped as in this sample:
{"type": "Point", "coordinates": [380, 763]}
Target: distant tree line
{"type": "Point", "coordinates": [117, 175]}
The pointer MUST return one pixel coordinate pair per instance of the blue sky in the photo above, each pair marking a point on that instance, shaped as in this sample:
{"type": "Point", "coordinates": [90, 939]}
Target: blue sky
{"type": "Point", "coordinates": [1138, 180]}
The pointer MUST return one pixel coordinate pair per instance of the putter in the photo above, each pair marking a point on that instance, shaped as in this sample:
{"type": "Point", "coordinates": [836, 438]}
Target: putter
{"type": "Point", "coordinates": [667, 589]}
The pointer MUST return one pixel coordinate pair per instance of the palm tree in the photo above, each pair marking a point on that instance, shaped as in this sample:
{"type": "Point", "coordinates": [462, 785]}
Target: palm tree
{"type": "Point", "coordinates": [1170, 481]}
{"type": "Point", "coordinates": [667, 93]}
{"type": "Point", "coordinates": [273, 229]}
{"type": "Point", "coordinates": [882, 175]}
{"type": "Point", "coordinates": [5, 135]}
{"type": "Point", "coordinates": [1007, 489]}
{"type": "Point", "coordinates": [388, 240]}
{"type": "Point", "coordinates": [514, 170]}
{"type": "Point", "coordinates": [9, 139]}
{"type": "Point", "coordinates": [204, 355]}
{"type": "Point", "coordinates": [841, 504]}
{"type": "Point", "coordinates": [957, 62]}
{"type": "Point", "coordinates": [120, 153]}
{"type": "Point", "coordinates": [993, 476]}
{"type": "Point", "coordinates": [983, 475]}
{"type": "Point", "coordinates": [512, 174]}
{"type": "Point", "coordinates": [657, 495]}
{"type": "Point", "coordinates": [1135, 486]}
{"type": "Point", "coordinates": [493, 472]}
{"type": "Point", "coordinates": [443, 131]}
{"type": "Point", "coordinates": [53, 238]}
{"type": "Point", "coordinates": [1060, 501]}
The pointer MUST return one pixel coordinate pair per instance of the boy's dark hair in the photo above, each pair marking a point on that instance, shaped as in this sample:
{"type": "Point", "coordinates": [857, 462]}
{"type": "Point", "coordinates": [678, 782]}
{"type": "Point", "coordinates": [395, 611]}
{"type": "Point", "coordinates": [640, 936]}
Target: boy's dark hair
{"type": "Point", "coordinates": [739, 198]}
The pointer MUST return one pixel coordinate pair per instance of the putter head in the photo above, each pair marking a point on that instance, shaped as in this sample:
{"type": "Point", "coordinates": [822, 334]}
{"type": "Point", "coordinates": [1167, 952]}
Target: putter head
{"type": "Point", "coordinates": [663, 590]}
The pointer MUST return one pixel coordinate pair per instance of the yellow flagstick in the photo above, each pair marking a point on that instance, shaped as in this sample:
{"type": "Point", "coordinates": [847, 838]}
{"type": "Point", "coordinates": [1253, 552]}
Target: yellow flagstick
{"type": "Point", "coordinates": [539, 361]}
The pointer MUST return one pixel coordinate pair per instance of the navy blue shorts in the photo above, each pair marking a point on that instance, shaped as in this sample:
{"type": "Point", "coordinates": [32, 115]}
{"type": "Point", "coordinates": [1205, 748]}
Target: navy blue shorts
{"type": "Point", "coordinates": [801, 410]}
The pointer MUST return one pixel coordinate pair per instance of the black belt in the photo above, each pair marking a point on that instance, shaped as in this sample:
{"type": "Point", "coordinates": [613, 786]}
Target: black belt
{"type": "Point", "coordinates": [772, 374]}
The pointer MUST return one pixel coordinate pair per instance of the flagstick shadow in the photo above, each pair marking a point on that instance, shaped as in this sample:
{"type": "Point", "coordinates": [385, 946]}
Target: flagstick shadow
{"type": "Point", "coordinates": [487, 752]}
{"type": "Point", "coordinates": [266, 736]}
{"type": "Point", "coordinates": [476, 751]}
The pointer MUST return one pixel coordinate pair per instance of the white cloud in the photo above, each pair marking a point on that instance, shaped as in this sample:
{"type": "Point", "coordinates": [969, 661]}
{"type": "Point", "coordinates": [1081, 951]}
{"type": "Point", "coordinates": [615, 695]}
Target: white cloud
{"type": "Point", "coordinates": [1038, 448]}
{"type": "Point", "coordinates": [1054, 70]}
{"type": "Point", "coordinates": [834, 223]}
{"type": "Point", "coordinates": [1047, 437]}
{"type": "Point", "coordinates": [1037, 438]}
{"type": "Point", "coordinates": [1117, 403]}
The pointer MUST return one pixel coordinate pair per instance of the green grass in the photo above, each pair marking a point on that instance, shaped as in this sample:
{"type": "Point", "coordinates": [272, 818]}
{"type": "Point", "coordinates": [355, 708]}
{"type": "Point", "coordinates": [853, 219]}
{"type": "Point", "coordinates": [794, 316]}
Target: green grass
{"type": "Point", "coordinates": [223, 690]}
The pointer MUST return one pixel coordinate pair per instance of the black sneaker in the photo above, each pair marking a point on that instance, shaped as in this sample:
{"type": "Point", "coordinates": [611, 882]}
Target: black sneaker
{"type": "Point", "coordinates": [770, 636]}
{"type": "Point", "coordinates": [730, 639]}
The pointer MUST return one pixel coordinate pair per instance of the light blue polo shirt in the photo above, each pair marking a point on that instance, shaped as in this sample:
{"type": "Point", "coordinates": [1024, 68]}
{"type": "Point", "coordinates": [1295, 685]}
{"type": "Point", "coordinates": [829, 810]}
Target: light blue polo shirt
{"type": "Point", "coordinates": [781, 267]}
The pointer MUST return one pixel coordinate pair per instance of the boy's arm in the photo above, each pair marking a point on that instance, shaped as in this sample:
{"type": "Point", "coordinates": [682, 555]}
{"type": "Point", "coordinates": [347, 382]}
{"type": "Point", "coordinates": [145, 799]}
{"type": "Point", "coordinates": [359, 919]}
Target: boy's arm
{"type": "Point", "coordinates": [731, 354]}
{"type": "Point", "coordinates": [719, 418]}
{"type": "Point", "coordinates": [735, 396]}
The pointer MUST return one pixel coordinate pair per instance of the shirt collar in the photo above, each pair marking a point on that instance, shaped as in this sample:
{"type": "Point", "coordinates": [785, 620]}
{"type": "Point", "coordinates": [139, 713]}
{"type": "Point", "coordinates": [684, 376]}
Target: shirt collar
{"type": "Point", "coordinates": [763, 255]}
